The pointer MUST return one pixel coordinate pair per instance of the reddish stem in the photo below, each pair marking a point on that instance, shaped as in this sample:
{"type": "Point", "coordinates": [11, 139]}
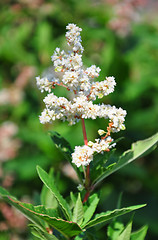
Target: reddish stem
{"type": "Point", "coordinates": [86, 196]}
{"type": "Point", "coordinates": [84, 132]}
{"type": "Point", "coordinates": [87, 181]}
{"type": "Point", "coordinates": [87, 178]}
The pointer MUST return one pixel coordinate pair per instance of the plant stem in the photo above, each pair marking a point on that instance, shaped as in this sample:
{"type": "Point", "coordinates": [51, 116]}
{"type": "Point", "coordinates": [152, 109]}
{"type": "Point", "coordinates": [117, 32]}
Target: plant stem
{"type": "Point", "coordinates": [84, 132]}
{"type": "Point", "coordinates": [87, 177]}
{"type": "Point", "coordinates": [86, 196]}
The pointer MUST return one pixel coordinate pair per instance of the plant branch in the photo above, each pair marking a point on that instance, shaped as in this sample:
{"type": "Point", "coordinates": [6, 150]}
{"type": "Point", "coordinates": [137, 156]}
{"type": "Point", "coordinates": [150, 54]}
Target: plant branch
{"type": "Point", "coordinates": [84, 132]}
{"type": "Point", "coordinates": [87, 177]}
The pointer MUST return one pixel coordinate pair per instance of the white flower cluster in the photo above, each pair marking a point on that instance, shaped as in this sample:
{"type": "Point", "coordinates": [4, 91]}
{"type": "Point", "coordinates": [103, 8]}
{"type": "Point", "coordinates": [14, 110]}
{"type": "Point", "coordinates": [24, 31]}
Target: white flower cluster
{"type": "Point", "coordinates": [81, 82]}
{"type": "Point", "coordinates": [79, 107]}
{"type": "Point", "coordinates": [101, 145]}
{"type": "Point", "coordinates": [73, 37]}
{"type": "Point", "coordinates": [45, 85]}
{"type": "Point", "coordinates": [83, 155]}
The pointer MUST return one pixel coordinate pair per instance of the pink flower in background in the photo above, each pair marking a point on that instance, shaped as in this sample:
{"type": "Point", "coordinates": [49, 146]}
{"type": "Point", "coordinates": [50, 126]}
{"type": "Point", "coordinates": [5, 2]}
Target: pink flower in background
{"type": "Point", "coordinates": [12, 219]}
{"type": "Point", "coordinates": [125, 13]}
{"type": "Point", "coordinates": [14, 94]}
{"type": "Point", "coordinates": [8, 144]}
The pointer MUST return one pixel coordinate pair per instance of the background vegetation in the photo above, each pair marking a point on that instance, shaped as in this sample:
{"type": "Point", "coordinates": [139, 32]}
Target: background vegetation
{"type": "Point", "coordinates": [122, 46]}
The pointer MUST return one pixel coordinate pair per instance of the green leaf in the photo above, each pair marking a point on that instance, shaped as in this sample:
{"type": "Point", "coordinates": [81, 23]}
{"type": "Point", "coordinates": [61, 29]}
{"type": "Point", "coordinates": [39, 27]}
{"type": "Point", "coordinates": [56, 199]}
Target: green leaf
{"type": "Point", "coordinates": [114, 230]}
{"type": "Point", "coordinates": [125, 235]}
{"type": "Point", "coordinates": [140, 234]}
{"type": "Point", "coordinates": [73, 199]}
{"type": "Point", "coordinates": [28, 214]}
{"type": "Point", "coordinates": [47, 198]}
{"type": "Point", "coordinates": [40, 216]}
{"type": "Point", "coordinates": [65, 147]}
{"type": "Point", "coordinates": [104, 217]}
{"type": "Point", "coordinates": [91, 209]}
{"type": "Point", "coordinates": [40, 234]}
{"type": "Point", "coordinates": [138, 149]}
{"type": "Point", "coordinates": [49, 183]}
{"type": "Point", "coordinates": [78, 211]}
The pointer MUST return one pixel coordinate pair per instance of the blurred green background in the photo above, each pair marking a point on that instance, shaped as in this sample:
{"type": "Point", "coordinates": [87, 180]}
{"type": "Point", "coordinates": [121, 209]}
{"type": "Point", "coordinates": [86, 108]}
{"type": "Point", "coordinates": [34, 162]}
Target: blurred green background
{"type": "Point", "coordinates": [121, 37]}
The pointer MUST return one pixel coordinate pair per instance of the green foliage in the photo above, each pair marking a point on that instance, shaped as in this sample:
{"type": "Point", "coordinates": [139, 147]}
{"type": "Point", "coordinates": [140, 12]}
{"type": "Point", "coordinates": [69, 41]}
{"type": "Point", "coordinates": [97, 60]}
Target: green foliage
{"type": "Point", "coordinates": [114, 230]}
{"type": "Point", "coordinates": [29, 34]}
{"type": "Point", "coordinates": [60, 216]}
{"type": "Point", "coordinates": [139, 234]}
{"type": "Point", "coordinates": [117, 231]}
{"type": "Point", "coordinates": [43, 218]}
{"type": "Point", "coordinates": [47, 198]}
{"type": "Point", "coordinates": [125, 235]}
{"type": "Point", "coordinates": [138, 149]}
{"type": "Point", "coordinates": [64, 146]}
{"type": "Point", "coordinates": [105, 217]}
{"type": "Point", "coordinates": [78, 211]}
{"type": "Point", "coordinates": [50, 184]}
{"type": "Point", "coordinates": [89, 211]}
{"type": "Point", "coordinates": [41, 234]}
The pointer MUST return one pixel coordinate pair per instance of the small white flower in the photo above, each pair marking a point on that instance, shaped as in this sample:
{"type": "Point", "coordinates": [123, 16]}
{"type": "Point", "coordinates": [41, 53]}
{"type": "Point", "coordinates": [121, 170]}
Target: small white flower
{"type": "Point", "coordinates": [43, 84]}
{"type": "Point", "coordinates": [101, 132]}
{"type": "Point", "coordinates": [102, 145]}
{"type": "Point", "coordinates": [93, 71]}
{"type": "Point", "coordinates": [71, 79]}
{"type": "Point", "coordinates": [44, 118]}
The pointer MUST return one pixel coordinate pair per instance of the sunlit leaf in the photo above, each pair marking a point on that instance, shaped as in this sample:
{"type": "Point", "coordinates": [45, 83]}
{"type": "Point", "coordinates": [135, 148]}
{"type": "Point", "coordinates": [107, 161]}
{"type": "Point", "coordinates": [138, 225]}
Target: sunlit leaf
{"type": "Point", "coordinates": [140, 234]}
{"type": "Point", "coordinates": [40, 216]}
{"type": "Point", "coordinates": [125, 235]}
{"type": "Point", "coordinates": [78, 211]}
{"type": "Point", "coordinates": [91, 209]}
{"type": "Point", "coordinates": [104, 217]}
{"type": "Point", "coordinates": [49, 183]}
{"type": "Point", "coordinates": [138, 149]}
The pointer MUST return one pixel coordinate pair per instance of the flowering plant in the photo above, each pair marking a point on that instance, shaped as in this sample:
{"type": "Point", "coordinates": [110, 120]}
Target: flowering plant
{"type": "Point", "coordinates": [74, 217]}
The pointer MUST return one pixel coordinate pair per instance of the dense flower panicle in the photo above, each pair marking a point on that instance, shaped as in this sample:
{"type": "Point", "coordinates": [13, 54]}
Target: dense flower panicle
{"type": "Point", "coordinates": [84, 90]}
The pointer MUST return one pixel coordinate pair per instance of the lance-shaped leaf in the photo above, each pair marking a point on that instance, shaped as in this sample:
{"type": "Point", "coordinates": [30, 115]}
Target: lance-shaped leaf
{"type": "Point", "coordinates": [138, 149]}
{"type": "Point", "coordinates": [125, 235]}
{"type": "Point", "coordinates": [140, 234]}
{"type": "Point", "coordinates": [78, 211]}
{"type": "Point", "coordinates": [41, 234]}
{"type": "Point", "coordinates": [47, 198]}
{"type": "Point", "coordinates": [39, 215]}
{"type": "Point", "coordinates": [49, 183]}
{"type": "Point", "coordinates": [114, 230]}
{"type": "Point", "coordinates": [104, 217]}
{"type": "Point", "coordinates": [65, 147]}
{"type": "Point", "coordinates": [73, 200]}
{"type": "Point", "coordinates": [91, 209]}
{"type": "Point", "coordinates": [28, 214]}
